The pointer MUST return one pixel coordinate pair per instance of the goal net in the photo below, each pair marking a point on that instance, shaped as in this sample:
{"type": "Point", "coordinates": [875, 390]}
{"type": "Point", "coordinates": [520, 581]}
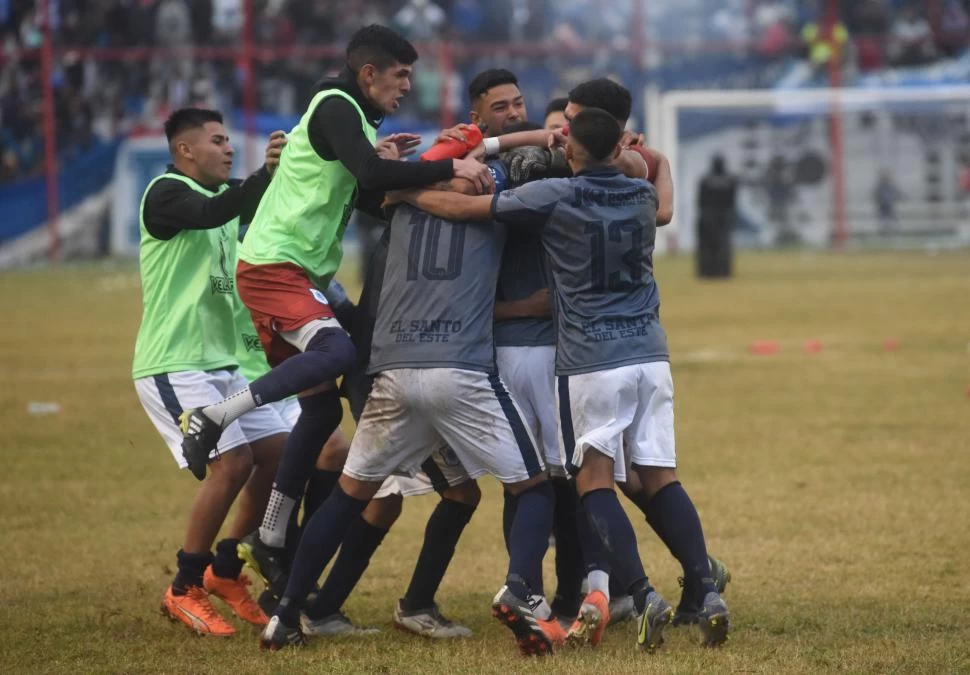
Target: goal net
{"type": "Point", "coordinates": [839, 168]}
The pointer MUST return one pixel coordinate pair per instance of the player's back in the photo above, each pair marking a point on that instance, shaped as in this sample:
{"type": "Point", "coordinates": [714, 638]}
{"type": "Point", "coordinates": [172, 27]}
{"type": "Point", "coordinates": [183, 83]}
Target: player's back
{"type": "Point", "coordinates": [438, 294]}
{"type": "Point", "coordinates": [600, 240]}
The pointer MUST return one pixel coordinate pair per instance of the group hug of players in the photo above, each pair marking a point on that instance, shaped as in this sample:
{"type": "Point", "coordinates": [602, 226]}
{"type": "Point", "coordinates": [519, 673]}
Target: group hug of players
{"type": "Point", "coordinates": [508, 325]}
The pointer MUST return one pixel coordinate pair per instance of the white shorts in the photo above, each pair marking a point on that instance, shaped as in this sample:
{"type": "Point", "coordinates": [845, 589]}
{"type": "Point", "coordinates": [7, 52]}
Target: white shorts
{"type": "Point", "coordinates": [440, 471]}
{"type": "Point", "coordinates": [530, 374]}
{"type": "Point", "coordinates": [412, 411]}
{"type": "Point", "coordinates": [627, 413]}
{"type": "Point", "coordinates": [165, 397]}
{"type": "Point", "coordinates": [288, 409]}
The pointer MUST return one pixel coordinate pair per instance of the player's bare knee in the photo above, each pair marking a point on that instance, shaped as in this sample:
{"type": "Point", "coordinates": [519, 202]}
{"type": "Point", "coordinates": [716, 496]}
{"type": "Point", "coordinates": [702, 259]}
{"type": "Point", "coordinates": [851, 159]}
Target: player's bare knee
{"type": "Point", "coordinates": [523, 485]}
{"type": "Point", "coordinates": [334, 453]}
{"type": "Point", "coordinates": [268, 451]}
{"type": "Point", "coordinates": [596, 472]}
{"type": "Point", "coordinates": [467, 493]}
{"type": "Point", "coordinates": [654, 478]}
{"type": "Point", "coordinates": [384, 512]}
{"type": "Point", "coordinates": [364, 490]}
{"type": "Point", "coordinates": [232, 468]}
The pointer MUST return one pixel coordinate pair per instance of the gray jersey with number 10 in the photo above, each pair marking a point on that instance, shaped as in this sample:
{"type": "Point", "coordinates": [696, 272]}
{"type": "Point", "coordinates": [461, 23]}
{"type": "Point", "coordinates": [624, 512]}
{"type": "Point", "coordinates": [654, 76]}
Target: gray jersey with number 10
{"type": "Point", "coordinates": [438, 298]}
{"type": "Point", "coordinates": [598, 229]}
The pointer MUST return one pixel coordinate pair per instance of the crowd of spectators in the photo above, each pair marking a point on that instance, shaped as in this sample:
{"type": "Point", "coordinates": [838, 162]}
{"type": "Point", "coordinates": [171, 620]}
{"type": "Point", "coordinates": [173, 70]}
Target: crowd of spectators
{"type": "Point", "coordinates": [114, 94]}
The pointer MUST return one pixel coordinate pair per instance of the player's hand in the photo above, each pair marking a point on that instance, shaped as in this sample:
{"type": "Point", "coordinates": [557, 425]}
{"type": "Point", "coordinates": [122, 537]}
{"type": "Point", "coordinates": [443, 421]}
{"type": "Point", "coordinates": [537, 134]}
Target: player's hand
{"type": "Point", "coordinates": [387, 150]}
{"type": "Point", "coordinates": [393, 197]}
{"type": "Point", "coordinates": [477, 173]}
{"type": "Point", "coordinates": [527, 163]}
{"type": "Point", "coordinates": [540, 303]}
{"type": "Point", "coordinates": [274, 149]}
{"type": "Point", "coordinates": [632, 138]}
{"type": "Point", "coordinates": [477, 153]}
{"type": "Point", "coordinates": [456, 133]}
{"type": "Point", "coordinates": [556, 139]}
{"type": "Point", "coordinates": [407, 144]}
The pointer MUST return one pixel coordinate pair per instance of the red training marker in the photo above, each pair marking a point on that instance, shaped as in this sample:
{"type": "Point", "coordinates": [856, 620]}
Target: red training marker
{"type": "Point", "coordinates": [764, 347]}
{"type": "Point", "coordinates": [812, 346]}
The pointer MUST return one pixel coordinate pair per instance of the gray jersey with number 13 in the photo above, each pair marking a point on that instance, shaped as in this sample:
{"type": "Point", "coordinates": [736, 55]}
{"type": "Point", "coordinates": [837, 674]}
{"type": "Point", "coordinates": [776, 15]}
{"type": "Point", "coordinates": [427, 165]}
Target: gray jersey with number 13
{"type": "Point", "coordinates": [598, 229]}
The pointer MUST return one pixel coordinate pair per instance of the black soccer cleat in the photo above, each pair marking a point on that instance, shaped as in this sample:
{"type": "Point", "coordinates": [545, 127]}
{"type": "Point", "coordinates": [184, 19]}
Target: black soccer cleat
{"type": "Point", "coordinates": [278, 635]}
{"type": "Point", "coordinates": [200, 437]}
{"type": "Point", "coordinates": [269, 563]}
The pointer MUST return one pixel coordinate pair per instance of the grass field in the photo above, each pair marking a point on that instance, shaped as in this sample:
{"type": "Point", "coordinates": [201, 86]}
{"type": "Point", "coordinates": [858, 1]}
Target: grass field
{"type": "Point", "coordinates": [835, 485]}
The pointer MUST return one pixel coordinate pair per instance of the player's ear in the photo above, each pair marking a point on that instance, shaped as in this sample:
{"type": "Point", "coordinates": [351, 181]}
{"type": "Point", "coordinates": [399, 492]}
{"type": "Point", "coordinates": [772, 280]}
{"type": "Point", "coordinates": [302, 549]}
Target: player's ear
{"type": "Point", "coordinates": [368, 73]}
{"type": "Point", "coordinates": [183, 149]}
{"type": "Point", "coordinates": [474, 117]}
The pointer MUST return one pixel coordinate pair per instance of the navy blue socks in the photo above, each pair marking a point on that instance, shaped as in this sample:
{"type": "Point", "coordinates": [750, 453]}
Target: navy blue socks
{"type": "Point", "coordinates": [671, 513]}
{"type": "Point", "coordinates": [227, 563]}
{"type": "Point", "coordinates": [356, 551]}
{"type": "Point", "coordinates": [328, 355]}
{"type": "Point", "coordinates": [569, 558]}
{"type": "Point", "coordinates": [616, 537]}
{"type": "Point", "coordinates": [191, 567]}
{"type": "Point", "coordinates": [440, 538]}
{"type": "Point", "coordinates": [529, 539]}
{"type": "Point", "coordinates": [322, 535]}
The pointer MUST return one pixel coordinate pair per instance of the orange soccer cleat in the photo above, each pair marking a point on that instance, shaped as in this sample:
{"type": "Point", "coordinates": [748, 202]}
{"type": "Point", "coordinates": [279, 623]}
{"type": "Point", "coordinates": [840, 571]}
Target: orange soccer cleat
{"type": "Point", "coordinates": [235, 593]}
{"type": "Point", "coordinates": [593, 617]}
{"type": "Point", "coordinates": [195, 610]}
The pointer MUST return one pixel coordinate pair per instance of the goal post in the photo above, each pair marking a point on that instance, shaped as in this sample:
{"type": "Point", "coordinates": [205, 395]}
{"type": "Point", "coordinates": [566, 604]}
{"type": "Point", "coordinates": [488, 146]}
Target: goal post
{"type": "Point", "coordinates": [825, 168]}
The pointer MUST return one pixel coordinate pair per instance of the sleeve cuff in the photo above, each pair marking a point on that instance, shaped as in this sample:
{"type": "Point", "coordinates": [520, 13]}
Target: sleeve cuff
{"type": "Point", "coordinates": [494, 208]}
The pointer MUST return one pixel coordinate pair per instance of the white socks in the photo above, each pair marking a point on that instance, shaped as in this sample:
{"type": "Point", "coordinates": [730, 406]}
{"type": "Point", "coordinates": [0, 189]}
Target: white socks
{"type": "Point", "coordinates": [540, 607]}
{"type": "Point", "coordinates": [273, 530]}
{"type": "Point", "coordinates": [599, 581]}
{"type": "Point", "coordinates": [227, 411]}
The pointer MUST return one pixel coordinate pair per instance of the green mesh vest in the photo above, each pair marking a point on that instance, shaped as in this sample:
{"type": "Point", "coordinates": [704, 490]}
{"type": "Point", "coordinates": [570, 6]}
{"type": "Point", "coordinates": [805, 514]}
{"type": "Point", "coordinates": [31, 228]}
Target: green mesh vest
{"type": "Point", "coordinates": [249, 350]}
{"type": "Point", "coordinates": [302, 217]}
{"type": "Point", "coordinates": [188, 296]}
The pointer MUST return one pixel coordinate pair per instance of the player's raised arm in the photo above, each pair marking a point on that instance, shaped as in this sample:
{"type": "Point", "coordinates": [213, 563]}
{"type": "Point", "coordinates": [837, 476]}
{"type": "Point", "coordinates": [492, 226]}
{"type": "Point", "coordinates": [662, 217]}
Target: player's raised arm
{"type": "Point", "coordinates": [659, 174]}
{"type": "Point", "coordinates": [664, 182]}
{"type": "Point", "coordinates": [450, 205]}
{"type": "Point", "coordinates": [336, 133]}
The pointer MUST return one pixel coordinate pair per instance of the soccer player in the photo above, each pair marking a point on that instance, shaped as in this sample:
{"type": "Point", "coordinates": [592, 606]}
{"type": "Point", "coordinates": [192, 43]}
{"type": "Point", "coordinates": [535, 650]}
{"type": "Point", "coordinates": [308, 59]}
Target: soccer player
{"type": "Point", "coordinates": [555, 115]}
{"type": "Point", "coordinates": [614, 98]}
{"type": "Point", "coordinates": [184, 356]}
{"type": "Point", "coordinates": [662, 499]}
{"type": "Point", "coordinates": [614, 384]}
{"type": "Point", "coordinates": [524, 339]}
{"type": "Point", "coordinates": [294, 247]}
{"type": "Point", "coordinates": [416, 611]}
{"type": "Point", "coordinates": [436, 384]}
{"type": "Point", "coordinates": [496, 101]}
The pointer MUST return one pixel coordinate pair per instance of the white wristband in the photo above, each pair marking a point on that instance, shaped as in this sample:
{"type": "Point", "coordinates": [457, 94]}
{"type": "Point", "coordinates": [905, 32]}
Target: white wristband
{"type": "Point", "coordinates": [492, 146]}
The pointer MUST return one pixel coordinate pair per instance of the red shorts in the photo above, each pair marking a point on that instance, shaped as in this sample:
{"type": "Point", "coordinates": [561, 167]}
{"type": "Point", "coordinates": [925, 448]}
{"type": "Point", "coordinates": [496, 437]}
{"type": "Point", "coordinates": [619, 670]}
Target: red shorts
{"type": "Point", "coordinates": [280, 298]}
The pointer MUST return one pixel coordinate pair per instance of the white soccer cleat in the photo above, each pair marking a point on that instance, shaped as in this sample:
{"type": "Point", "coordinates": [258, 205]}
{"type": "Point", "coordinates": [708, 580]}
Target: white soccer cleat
{"type": "Point", "coordinates": [335, 624]}
{"type": "Point", "coordinates": [429, 623]}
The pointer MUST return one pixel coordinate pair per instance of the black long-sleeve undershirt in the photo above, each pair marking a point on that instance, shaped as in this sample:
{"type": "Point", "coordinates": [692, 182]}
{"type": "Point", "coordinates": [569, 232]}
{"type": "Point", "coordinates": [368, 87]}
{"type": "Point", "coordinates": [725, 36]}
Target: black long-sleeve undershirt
{"type": "Point", "coordinates": [171, 205]}
{"type": "Point", "coordinates": [335, 133]}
